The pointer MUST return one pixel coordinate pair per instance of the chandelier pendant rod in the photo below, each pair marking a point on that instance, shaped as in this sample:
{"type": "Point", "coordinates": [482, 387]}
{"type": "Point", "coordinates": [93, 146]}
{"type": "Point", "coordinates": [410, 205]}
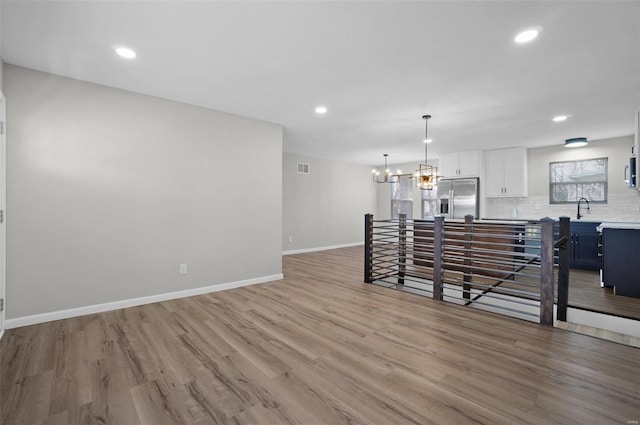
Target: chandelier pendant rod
{"type": "Point", "coordinates": [426, 135]}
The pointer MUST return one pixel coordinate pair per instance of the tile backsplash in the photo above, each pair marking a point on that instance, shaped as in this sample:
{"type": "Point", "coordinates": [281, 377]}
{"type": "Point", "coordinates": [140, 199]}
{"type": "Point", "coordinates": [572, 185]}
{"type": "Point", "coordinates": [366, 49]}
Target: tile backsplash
{"type": "Point", "coordinates": [625, 207]}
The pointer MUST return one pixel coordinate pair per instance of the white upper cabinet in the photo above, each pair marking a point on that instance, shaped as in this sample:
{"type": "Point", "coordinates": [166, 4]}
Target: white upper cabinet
{"type": "Point", "coordinates": [506, 173]}
{"type": "Point", "coordinates": [459, 164]}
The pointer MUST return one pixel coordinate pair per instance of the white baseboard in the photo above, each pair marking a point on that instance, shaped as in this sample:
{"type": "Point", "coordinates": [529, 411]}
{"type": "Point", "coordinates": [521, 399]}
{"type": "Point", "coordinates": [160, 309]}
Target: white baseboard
{"type": "Point", "coordinates": [116, 305]}
{"type": "Point", "coordinates": [603, 321]}
{"type": "Point", "coordinates": [321, 248]}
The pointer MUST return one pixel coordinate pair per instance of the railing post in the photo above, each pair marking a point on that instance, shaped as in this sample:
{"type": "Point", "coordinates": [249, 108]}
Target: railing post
{"type": "Point", "coordinates": [468, 236]}
{"type": "Point", "coordinates": [368, 247]}
{"type": "Point", "coordinates": [402, 248]}
{"type": "Point", "coordinates": [438, 242]}
{"type": "Point", "coordinates": [546, 271]}
{"type": "Point", "coordinates": [564, 254]}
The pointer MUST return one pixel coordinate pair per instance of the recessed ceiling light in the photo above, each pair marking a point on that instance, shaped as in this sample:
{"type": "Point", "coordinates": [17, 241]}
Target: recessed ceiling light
{"type": "Point", "coordinates": [428, 140]}
{"type": "Point", "coordinates": [527, 35]}
{"type": "Point", "coordinates": [125, 52]}
{"type": "Point", "coordinates": [560, 118]}
{"type": "Point", "coordinates": [321, 110]}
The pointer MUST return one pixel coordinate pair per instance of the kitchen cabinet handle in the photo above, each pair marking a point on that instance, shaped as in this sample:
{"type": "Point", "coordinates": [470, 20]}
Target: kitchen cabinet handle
{"type": "Point", "coordinates": [626, 169]}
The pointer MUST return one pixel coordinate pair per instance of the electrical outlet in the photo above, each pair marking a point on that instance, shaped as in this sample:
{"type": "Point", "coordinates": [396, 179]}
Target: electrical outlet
{"type": "Point", "coordinates": [183, 269]}
{"type": "Point", "coordinates": [290, 238]}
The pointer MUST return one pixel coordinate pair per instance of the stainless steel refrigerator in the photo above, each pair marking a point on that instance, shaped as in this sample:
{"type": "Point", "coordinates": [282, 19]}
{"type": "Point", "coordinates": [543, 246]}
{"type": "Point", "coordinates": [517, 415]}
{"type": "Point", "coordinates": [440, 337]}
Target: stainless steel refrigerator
{"type": "Point", "coordinates": [458, 198]}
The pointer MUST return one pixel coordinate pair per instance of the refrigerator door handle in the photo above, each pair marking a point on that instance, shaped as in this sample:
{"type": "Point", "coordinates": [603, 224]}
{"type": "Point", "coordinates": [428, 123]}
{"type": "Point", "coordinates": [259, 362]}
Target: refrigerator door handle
{"type": "Point", "coordinates": [452, 207]}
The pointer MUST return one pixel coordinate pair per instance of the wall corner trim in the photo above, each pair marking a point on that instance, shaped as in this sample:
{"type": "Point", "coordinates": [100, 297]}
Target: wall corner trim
{"type": "Point", "coordinates": [133, 302]}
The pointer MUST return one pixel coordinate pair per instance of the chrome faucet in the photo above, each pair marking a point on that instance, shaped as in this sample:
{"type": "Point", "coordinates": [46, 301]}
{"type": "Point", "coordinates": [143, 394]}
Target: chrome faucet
{"type": "Point", "coordinates": [580, 200]}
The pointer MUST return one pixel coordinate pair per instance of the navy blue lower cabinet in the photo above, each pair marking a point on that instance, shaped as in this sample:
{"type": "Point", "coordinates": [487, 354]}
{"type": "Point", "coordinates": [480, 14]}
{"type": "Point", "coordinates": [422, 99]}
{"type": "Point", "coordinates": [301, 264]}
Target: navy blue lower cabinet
{"type": "Point", "coordinates": [621, 268]}
{"type": "Point", "coordinates": [584, 245]}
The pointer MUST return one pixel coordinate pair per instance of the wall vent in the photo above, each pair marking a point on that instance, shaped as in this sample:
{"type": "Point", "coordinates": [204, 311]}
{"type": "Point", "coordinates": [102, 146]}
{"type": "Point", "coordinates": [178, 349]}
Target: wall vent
{"type": "Point", "coordinates": [303, 168]}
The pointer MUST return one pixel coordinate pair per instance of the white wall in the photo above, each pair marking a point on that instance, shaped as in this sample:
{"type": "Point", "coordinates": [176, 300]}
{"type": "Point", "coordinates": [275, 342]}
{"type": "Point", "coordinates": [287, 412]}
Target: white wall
{"type": "Point", "coordinates": [1, 67]}
{"type": "Point", "coordinates": [327, 206]}
{"type": "Point", "coordinates": [109, 191]}
{"type": "Point", "coordinates": [623, 203]}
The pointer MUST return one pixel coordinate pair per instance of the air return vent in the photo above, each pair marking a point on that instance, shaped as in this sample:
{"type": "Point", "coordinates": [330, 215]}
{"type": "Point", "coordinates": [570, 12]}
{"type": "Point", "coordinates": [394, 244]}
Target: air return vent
{"type": "Point", "coordinates": [303, 168]}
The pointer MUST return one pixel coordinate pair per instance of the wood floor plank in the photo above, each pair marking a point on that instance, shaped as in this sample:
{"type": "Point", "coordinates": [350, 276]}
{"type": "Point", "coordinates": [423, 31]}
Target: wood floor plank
{"type": "Point", "coordinates": [317, 347]}
{"type": "Point", "coordinates": [111, 401]}
{"type": "Point", "coordinates": [156, 404]}
{"type": "Point", "coordinates": [204, 405]}
{"type": "Point", "coordinates": [28, 399]}
{"type": "Point", "coordinates": [585, 292]}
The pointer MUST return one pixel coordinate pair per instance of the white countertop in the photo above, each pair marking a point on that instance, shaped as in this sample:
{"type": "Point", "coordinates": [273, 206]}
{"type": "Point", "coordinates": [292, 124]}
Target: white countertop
{"type": "Point", "coordinates": [515, 222]}
{"type": "Point", "coordinates": [618, 225]}
{"type": "Point", "coordinates": [512, 222]}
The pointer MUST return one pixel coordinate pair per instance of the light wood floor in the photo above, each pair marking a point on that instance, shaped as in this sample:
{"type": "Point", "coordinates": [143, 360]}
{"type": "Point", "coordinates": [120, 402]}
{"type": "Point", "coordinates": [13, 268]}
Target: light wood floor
{"type": "Point", "coordinates": [319, 347]}
{"type": "Point", "coordinates": [585, 292]}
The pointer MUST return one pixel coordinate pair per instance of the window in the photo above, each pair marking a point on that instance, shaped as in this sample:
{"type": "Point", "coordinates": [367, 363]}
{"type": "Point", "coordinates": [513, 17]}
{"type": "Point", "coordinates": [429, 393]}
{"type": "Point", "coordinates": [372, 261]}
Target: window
{"type": "Point", "coordinates": [303, 168]}
{"type": "Point", "coordinates": [571, 180]}
{"type": "Point", "coordinates": [402, 198]}
{"type": "Point", "coordinates": [429, 203]}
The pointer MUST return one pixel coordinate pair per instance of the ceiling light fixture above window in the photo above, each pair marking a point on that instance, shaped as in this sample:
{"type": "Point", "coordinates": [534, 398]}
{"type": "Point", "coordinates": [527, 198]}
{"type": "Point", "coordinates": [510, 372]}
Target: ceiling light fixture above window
{"type": "Point", "coordinates": [527, 35]}
{"type": "Point", "coordinates": [321, 110]}
{"type": "Point", "coordinates": [125, 52]}
{"type": "Point", "coordinates": [560, 118]}
{"type": "Point", "coordinates": [426, 175]}
{"type": "Point", "coordinates": [576, 142]}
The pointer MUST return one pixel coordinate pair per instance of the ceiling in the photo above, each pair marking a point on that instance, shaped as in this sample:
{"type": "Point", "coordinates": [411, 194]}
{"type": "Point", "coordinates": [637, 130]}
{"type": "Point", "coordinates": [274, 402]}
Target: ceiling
{"type": "Point", "coordinates": [377, 66]}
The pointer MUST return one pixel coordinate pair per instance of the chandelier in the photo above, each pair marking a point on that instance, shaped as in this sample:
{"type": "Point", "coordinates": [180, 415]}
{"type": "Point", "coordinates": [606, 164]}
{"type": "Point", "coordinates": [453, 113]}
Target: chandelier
{"type": "Point", "coordinates": [426, 175]}
{"type": "Point", "coordinates": [387, 176]}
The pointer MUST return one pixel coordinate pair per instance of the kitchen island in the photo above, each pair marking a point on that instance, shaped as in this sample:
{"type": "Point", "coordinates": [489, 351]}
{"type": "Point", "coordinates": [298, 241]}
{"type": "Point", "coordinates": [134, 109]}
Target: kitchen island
{"type": "Point", "coordinates": [620, 266]}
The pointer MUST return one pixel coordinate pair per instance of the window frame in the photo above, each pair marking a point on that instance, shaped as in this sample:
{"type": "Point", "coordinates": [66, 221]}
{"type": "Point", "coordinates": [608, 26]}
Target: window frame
{"type": "Point", "coordinates": [400, 200]}
{"type": "Point", "coordinates": [605, 182]}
